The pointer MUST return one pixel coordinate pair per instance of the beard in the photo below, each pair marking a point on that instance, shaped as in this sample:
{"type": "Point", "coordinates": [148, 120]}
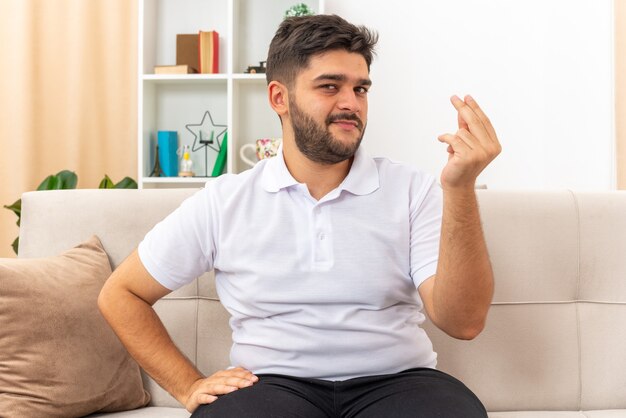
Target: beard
{"type": "Point", "coordinates": [316, 142]}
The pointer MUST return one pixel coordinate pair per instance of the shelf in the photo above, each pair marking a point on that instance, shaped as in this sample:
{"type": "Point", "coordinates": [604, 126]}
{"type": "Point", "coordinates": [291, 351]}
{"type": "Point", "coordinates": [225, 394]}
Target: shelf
{"type": "Point", "coordinates": [184, 78]}
{"type": "Point", "coordinates": [255, 23]}
{"type": "Point", "coordinates": [161, 20]}
{"type": "Point", "coordinates": [201, 78]}
{"type": "Point", "coordinates": [183, 180]}
{"type": "Point", "coordinates": [249, 77]}
{"type": "Point", "coordinates": [174, 182]}
{"type": "Point", "coordinates": [171, 102]}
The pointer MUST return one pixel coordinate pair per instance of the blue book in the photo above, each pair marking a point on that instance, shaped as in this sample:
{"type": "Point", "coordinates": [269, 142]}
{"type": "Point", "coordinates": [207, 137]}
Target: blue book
{"type": "Point", "coordinates": [168, 144]}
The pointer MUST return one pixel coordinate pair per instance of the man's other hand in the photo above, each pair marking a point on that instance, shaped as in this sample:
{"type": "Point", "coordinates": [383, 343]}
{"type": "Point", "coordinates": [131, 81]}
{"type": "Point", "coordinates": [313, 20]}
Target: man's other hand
{"type": "Point", "coordinates": [204, 391]}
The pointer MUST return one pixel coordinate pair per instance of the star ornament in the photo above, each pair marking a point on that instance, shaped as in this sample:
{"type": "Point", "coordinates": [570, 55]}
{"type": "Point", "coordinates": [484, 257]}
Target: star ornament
{"type": "Point", "coordinates": [206, 133]}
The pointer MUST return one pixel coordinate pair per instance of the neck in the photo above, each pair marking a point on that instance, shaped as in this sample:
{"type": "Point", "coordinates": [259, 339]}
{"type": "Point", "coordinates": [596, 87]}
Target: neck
{"type": "Point", "coordinates": [319, 178]}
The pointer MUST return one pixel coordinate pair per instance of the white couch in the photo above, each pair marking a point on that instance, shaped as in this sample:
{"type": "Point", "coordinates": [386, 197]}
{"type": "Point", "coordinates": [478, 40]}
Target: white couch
{"type": "Point", "coordinates": [555, 340]}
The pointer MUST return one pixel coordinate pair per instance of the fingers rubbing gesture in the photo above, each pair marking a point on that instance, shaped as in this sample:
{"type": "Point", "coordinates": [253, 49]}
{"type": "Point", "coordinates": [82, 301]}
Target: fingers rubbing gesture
{"type": "Point", "coordinates": [471, 148]}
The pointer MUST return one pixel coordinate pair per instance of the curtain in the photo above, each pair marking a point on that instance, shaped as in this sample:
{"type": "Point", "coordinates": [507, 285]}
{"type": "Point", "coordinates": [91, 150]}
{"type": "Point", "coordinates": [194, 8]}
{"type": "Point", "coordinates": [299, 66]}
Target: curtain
{"type": "Point", "coordinates": [620, 91]}
{"type": "Point", "coordinates": [67, 95]}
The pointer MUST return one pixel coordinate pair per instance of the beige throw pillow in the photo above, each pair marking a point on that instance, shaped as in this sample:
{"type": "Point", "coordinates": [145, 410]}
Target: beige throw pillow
{"type": "Point", "coordinates": [58, 356]}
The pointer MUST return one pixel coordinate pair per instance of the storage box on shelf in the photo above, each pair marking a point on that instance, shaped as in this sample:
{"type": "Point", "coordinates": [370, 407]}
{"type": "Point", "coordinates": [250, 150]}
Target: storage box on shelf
{"type": "Point", "coordinates": [234, 98]}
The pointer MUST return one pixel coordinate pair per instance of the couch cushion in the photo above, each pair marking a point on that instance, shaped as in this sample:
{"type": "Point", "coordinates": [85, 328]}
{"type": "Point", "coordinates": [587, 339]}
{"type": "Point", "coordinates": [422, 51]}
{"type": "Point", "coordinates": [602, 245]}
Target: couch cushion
{"type": "Point", "coordinates": [523, 350]}
{"type": "Point", "coordinates": [54, 220]}
{"type": "Point", "coordinates": [531, 339]}
{"type": "Point", "coordinates": [602, 310]}
{"type": "Point", "coordinates": [606, 413]}
{"type": "Point", "coordinates": [533, 245]}
{"type": "Point", "coordinates": [120, 218]}
{"type": "Point", "coordinates": [538, 414]}
{"type": "Point", "coordinates": [58, 356]}
{"type": "Point", "coordinates": [150, 412]}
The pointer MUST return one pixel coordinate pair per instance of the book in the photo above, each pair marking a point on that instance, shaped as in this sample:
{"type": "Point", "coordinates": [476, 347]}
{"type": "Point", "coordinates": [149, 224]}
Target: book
{"type": "Point", "coordinates": [220, 161]}
{"type": "Point", "coordinates": [187, 51]}
{"type": "Point", "coordinates": [168, 160]}
{"type": "Point", "coordinates": [174, 69]}
{"type": "Point", "coordinates": [208, 51]}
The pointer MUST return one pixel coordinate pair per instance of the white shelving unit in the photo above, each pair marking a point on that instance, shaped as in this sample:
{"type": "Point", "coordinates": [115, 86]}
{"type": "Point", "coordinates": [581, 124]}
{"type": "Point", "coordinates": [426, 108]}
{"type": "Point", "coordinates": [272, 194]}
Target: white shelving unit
{"type": "Point", "coordinates": [235, 99]}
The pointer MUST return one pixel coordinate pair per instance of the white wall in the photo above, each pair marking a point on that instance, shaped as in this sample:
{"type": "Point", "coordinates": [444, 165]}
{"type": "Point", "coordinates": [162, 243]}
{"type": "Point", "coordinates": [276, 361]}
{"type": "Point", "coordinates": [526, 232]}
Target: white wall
{"type": "Point", "coordinates": [541, 69]}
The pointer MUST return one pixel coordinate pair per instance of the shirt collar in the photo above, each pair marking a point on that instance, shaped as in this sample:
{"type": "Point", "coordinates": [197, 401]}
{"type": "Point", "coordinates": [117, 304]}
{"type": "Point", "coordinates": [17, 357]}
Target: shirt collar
{"type": "Point", "coordinates": [275, 175]}
{"type": "Point", "coordinates": [363, 176]}
{"type": "Point", "coordinates": [361, 180]}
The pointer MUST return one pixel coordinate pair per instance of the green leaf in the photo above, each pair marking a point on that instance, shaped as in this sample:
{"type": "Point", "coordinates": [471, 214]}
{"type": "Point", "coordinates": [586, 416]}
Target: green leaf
{"type": "Point", "coordinates": [67, 179]}
{"type": "Point", "coordinates": [16, 207]}
{"type": "Point", "coordinates": [106, 183]}
{"type": "Point", "coordinates": [16, 244]}
{"type": "Point", "coordinates": [62, 180]}
{"type": "Point", "coordinates": [126, 183]}
{"type": "Point", "coordinates": [49, 183]}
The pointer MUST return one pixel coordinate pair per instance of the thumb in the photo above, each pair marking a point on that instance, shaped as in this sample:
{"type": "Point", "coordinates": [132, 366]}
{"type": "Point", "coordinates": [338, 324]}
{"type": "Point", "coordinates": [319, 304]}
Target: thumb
{"type": "Point", "coordinates": [199, 399]}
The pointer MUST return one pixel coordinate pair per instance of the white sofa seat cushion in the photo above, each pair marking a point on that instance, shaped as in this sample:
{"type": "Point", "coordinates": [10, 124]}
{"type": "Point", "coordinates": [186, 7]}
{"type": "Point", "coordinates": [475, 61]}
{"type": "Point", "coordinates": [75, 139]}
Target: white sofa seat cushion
{"type": "Point", "coordinates": [149, 412]}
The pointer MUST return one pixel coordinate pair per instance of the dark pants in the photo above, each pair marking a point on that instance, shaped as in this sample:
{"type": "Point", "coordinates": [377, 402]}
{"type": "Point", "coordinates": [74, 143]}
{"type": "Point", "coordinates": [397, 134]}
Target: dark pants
{"type": "Point", "coordinates": [415, 393]}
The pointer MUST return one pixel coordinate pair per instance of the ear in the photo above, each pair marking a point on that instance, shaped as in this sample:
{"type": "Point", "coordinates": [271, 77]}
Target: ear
{"type": "Point", "coordinates": [278, 97]}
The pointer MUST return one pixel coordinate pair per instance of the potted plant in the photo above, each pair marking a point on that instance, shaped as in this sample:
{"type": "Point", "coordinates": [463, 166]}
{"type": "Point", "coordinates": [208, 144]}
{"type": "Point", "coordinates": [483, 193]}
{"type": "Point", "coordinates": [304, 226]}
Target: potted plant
{"type": "Point", "coordinates": [300, 9]}
{"type": "Point", "coordinates": [62, 180]}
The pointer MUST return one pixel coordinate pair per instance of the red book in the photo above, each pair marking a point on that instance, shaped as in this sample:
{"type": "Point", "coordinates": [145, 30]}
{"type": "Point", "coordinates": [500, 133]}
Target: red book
{"type": "Point", "coordinates": [208, 52]}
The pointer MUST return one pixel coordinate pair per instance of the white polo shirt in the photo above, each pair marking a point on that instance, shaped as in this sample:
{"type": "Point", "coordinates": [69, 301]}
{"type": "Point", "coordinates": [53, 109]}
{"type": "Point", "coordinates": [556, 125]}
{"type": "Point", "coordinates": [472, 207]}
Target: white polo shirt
{"type": "Point", "coordinates": [322, 289]}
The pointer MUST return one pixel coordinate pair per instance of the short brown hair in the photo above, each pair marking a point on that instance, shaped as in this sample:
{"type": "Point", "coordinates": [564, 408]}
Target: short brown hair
{"type": "Point", "coordinates": [299, 38]}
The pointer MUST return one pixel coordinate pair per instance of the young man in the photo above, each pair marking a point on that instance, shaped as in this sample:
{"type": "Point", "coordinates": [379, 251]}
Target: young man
{"type": "Point", "coordinates": [323, 256]}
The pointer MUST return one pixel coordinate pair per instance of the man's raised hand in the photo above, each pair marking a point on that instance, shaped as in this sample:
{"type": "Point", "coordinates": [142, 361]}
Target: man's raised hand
{"type": "Point", "coordinates": [471, 148]}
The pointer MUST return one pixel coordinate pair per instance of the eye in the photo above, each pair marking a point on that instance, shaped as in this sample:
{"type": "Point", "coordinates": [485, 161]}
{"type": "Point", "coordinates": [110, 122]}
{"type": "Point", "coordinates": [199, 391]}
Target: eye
{"type": "Point", "coordinates": [328, 87]}
{"type": "Point", "coordinates": [361, 90]}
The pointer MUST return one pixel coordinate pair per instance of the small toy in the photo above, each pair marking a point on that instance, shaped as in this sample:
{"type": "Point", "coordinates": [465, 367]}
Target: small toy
{"type": "Point", "coordinates": [185, 162]}
{"type": "Point", "coordinates": [260, 69]}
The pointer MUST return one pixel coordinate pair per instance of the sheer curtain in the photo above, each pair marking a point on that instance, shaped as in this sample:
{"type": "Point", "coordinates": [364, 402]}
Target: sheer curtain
{"type": "Point", "coordinates": [67, 95]}
{"type": "Point", "coordinates": [620, 91]}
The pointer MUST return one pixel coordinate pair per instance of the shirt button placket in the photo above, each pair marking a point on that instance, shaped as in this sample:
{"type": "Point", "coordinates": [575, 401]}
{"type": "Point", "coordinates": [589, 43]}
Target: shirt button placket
{"type": "Point", "coordinates": [320, 236]}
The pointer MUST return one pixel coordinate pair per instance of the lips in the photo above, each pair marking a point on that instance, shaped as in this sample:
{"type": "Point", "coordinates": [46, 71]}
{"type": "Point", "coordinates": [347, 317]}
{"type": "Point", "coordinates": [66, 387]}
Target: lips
{"type": "Point", "coordinates": [346, 121]}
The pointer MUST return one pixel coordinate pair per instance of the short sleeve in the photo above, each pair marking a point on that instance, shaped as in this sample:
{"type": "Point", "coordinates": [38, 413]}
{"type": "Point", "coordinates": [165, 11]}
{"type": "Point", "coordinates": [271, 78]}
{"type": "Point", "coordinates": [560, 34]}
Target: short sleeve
{"type": "Point", "coordinates": [181, 247]}
{"type": "Point", "coordinates": [426, 214]}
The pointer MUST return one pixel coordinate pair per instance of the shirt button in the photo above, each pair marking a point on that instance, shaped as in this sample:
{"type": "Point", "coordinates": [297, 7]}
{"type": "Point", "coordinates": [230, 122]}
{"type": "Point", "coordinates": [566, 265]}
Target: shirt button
{"type": "Point", "coordinates": [318, 210]}
{"type": "Point", "coordinates": [322, 236]}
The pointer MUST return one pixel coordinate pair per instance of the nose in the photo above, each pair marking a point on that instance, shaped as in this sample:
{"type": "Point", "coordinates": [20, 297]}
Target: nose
{"type": "Point", "coordinates": [348, 101]}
